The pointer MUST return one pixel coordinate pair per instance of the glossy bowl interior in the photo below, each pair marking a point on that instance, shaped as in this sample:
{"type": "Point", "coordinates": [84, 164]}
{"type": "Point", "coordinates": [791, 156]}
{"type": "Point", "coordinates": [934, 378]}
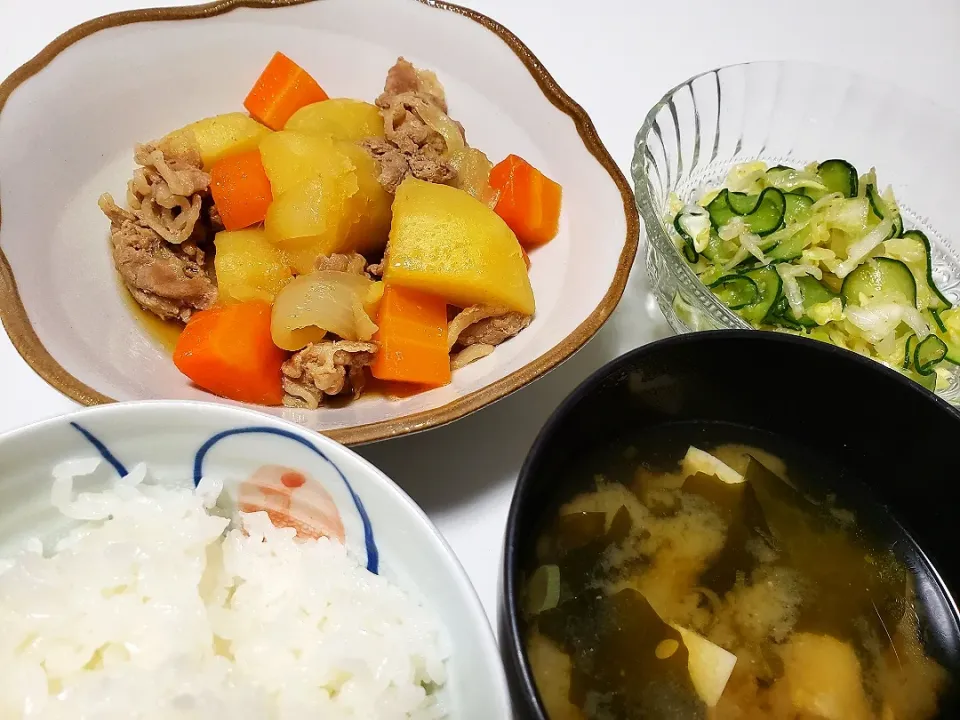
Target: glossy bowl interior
{"type": "Point", "coordinates": [792, 113]}
{"type": "Point", "coordinates": [890, 433]}
{"type": "Point", "coordinates": [70, 119]}
{"type": "Point", "coordinates": [384, 529]}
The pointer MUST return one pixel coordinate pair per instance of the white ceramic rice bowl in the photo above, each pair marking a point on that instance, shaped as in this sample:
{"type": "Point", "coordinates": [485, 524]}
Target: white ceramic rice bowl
{"type": "Point", "coordinates": [384, 528]}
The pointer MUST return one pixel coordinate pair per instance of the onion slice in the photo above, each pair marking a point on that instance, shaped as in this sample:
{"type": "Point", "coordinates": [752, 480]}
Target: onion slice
{"type": "Point", "coordinates": [321, 302]}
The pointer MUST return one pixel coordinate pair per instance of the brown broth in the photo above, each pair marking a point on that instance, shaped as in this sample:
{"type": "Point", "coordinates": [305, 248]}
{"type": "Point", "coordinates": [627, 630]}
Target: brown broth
{"type": "Point", "coordinates": [810, 596]}
{"type": "Point", "coordinates": [163, 332]}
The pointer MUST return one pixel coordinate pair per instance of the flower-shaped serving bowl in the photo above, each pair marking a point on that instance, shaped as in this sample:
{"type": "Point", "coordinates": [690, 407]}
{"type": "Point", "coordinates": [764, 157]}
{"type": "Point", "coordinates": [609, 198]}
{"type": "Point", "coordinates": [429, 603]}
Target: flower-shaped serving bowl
{"type": "Point", "coordinates": [71, 116]}
{"type": "Point", "coordinates": [182, 441]}
{"type": "Point", "coordinates": [792, 113]}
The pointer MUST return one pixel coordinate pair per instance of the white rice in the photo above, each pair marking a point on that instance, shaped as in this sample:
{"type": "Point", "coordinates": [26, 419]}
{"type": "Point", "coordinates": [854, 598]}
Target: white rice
{"type": "Point", "coordinates": [154, 609]}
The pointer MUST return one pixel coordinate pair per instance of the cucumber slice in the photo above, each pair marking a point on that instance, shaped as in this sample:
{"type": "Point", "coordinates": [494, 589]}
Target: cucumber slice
{"type": "Point", "coordinates": [768, 214]}
{"type": "Point", "coordinates": [736, 291]}
{"type": "Point", "coordinates": [839, 176]}
{"type": "Point", "coordinates": [789, 249]}
{"type": "Point", "coordinates": [762, 214]}
{"type": "Point", "coordinates": [784, 321]}
{"type": "Point", "coordinates": [937, 321]}
{"type": "Point", "coordinates": [879, 276]}
{"type": "Point", "coordinates": [719, 208]}
{"type": "Point", "coordinates": [743, 204]}
{"type": "Point", "coordinates": [771, 289]}
{"type": "Point", "coordinates": [813, 293]}
{"type": "Point", "coordinates": [797, 208]}
{"type": "Point", "coordinates": [881, 210]}
{"type": "Point", "coordinates": [714, 249]}
{"type": "Point", "coordinates": [780, 315]}
{"type": "Point", "coordinates": [930, 352]}
{"type": "Point", "coordinates": [934, 298]}
{"type": "Point", "coordinates": [908, 351]}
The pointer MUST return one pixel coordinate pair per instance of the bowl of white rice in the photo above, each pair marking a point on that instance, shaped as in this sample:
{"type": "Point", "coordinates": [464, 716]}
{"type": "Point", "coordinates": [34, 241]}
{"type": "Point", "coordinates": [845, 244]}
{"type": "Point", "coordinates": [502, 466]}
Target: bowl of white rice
{"type": "Point", "coordinates": [175, 560]}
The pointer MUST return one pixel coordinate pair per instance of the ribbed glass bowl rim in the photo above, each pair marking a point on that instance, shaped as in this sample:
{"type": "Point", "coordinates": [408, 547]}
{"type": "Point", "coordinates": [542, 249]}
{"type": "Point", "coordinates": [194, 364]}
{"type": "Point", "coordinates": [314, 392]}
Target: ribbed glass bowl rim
{"type": "Point", "coordinates": [653, 224]}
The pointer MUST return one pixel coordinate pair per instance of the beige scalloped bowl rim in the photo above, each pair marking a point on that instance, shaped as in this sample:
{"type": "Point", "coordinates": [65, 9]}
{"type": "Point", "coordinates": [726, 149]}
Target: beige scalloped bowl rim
{"type": "Point", "coordinates": [25, 339]}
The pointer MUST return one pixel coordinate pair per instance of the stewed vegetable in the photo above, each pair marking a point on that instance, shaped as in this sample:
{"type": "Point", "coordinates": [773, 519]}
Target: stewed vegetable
{"type": "Point", "coordinates": [317, 242]}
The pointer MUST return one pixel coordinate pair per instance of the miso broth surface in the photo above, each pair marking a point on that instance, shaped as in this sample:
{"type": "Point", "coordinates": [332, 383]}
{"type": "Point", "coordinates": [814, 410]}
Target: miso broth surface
{"type": "Point", "coordinates": [797, 572]}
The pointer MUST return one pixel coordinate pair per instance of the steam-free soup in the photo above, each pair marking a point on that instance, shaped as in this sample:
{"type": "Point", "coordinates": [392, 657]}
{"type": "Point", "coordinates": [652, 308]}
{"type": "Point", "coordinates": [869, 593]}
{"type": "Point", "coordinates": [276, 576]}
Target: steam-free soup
{"type": "Point", "coordinates": [688, 576]}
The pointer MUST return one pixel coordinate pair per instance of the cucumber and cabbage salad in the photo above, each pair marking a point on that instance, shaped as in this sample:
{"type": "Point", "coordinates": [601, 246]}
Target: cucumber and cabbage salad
{"type": "Point", "coordinates": [822, 251]}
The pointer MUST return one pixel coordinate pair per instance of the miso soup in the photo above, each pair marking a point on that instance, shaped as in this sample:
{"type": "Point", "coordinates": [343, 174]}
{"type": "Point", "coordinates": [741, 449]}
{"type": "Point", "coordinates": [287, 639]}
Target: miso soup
{"type": "Point", "coordinates": [709, 571]}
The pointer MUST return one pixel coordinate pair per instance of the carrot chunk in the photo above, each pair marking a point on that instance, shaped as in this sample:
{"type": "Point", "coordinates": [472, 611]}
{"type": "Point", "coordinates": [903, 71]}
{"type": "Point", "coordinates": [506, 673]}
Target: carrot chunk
{"type": "Point", "coordinates": [412, 338]}
{"type": "Point", "coordinates": [241, 189]}
{"type": "Point", "coordinates": [228, 351]}
{"type": "Point", "coordinates": [282, 88]}
{"type": "Point", "coordinates": [529, 201]}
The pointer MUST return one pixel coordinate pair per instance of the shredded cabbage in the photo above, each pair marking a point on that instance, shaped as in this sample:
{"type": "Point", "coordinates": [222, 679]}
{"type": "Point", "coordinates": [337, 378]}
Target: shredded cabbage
{"type": "Point", "coordinates": [877, 321]}
{"type": "Point", "coordinates": [913, 318]}
{"type": "Point", "coordinates": [697, 223]}
{"type": "Point", "coordinates": [751, 243]}
{"type": "Point", "coordinates": [826, 236]}
{"type": "Point", "coordinates": [861, 249]}
{"type": "Point", "coordinates": [849, 215]}
{"type": "Point", "coordinates": [733, 229]}
{"type": "Point", "coordinates": [789, 180]}
{"type": "Point", "coordinates": [746, 177]}
{"type": "Point", "coordinates": [825, 312]}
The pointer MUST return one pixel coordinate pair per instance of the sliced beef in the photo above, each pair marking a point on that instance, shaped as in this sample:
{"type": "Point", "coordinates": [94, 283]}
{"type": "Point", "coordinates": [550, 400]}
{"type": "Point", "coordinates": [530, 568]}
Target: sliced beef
{"type": "Point", "coordinates": [326, 368]}
{"type": "Point", "coordinates": [412, 146]}
{"type": "Point", "coordinates": [403, 77]}
{"type": "Point", "coordinates": [392, 164]}
{"type": "Point", "coordinates": [158, 243]}
{"type": "Point", "coordinates": [167, 191]}
{"type": "Point", "coordinates": [353, 263]}
{"type": "Point", "coordinates": [485, 325]}
{"type": "Point", "coordinates": [171, 281]}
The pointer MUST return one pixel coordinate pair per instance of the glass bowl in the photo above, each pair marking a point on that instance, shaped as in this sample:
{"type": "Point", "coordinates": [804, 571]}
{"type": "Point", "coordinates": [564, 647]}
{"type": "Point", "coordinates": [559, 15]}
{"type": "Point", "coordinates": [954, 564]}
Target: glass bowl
{"type": "Point", "coordinates": [793, 113]}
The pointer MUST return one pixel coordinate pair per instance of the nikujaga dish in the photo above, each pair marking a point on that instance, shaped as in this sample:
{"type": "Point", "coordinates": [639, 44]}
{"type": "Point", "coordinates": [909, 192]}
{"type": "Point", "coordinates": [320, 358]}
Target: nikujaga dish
{"type": "Point", "coordinates": [317, 243]}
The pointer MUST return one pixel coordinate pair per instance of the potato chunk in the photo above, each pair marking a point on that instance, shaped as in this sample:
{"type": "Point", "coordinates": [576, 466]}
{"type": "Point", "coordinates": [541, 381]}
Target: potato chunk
{"type": "Point", "coordinates": [339, 119]}
{"type": "Point", "coordinates": [445, 242]}
{"type": "Point", "coordinates": [327, 198]}
{"type": "Point", "coordinates": [249, 267]}
{"type": "Point", "coordinates": [221, 135]}
{"type": "Point", "coordinates": [292, 158]}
